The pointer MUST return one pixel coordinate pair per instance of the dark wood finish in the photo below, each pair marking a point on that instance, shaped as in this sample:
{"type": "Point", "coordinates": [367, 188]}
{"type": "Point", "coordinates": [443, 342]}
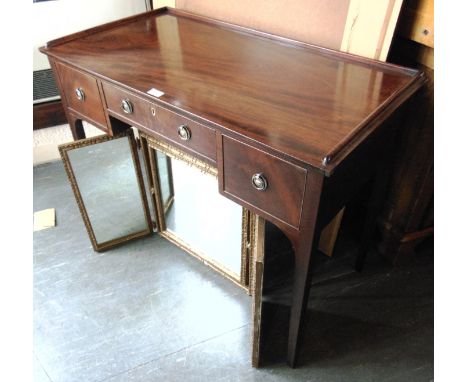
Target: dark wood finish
{"type": "Point", "coordinates": [283, 196]}
{"type": "Point", "coordinates": [358, 168]}
{"type": "Point", "coordinates": [408, 216]}
{"type": "Point", "coordinates": [117, 126]}
{"type": "Point", "coordinates": [374, 206]}
{"type": "Point", "coordinates": [147, 115]}
{"type": "Point", "coordinates": [103, 27]}
{"type": "Point", "coordinates": [411, 195]}
{"type": "Point", "coordinates": [206, 73]}
{"type": "Point", "coordinates": [258, 310]}
{"type": "Point", "coordinates": [304, 241]}
{"type": "Point", "coordinates": [202, 141]}
{"type": "Point", "coordinates": [315, 121]}
{"type": "Point", "coordinates": [76, 126]}
{"type": "Point", "coordinates": [141, 114]}
{"type": "Point", "coordinates": [91, 106]}
{"type": "Point", "coordinates": [48, 114]}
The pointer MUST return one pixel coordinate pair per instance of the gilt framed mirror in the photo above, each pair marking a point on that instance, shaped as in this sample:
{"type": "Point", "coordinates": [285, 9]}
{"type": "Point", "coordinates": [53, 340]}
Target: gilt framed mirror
{"type": "Point", "coordinates": [106, 179]}
{"type": "Point", "coordinates": [194, 216]}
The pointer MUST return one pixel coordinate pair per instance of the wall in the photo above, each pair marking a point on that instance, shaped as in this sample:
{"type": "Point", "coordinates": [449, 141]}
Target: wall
{"type": "Point", "coordinates": [164, 3]}
{"type": "Point", "coordinates": [53, 19]}
{"type": "Point", "coordinates": [319, 22]}
{"type": "Point", "coordinates": [363, 27]}
{"type": "Point", "coordinates": [369, 29]}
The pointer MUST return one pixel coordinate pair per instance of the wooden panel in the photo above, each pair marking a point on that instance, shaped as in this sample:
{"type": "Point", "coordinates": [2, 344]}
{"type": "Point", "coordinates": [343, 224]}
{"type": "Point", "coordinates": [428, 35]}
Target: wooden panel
{"type": "Point", "coordinates": [147, 115]}
{"type": "Point", "coordinates": [281, 199]}
{"type": "Point", "coordinates": [412, 52]}
{"type": "Point", "coordinates": [417, 21]}
{"type": "Point", "coordinates": [408, 214]}
{"type": "Point", "coordinates": [329, 234]}
{"type": "Point", "coordinates": [369, 27]}
{"type": "Point", "coordinates": [91, 106]}
{"type": "Point", "coordinates": [202, 139]}
{"type": "Point", "coordinates": [301, 100]}
{"type": "Point", "coordinates": [318, 22]}
{"type": "Point", "coordinates": [48, 114]}
{"type": "Point", "coordinates": [380, 17]}
{"type": "Point", "coordinates": [141, 114]}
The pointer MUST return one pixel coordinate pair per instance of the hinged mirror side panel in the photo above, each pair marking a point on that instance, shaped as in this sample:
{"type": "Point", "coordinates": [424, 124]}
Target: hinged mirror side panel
{"type": "Point", "coordinates": [193, 215]}
{"type": "Point", "coordinates": [257, 259]}
{"type": "Point", "coordinates": [106, 179]}
{"type": "Point", "coordinates": [271, 280]}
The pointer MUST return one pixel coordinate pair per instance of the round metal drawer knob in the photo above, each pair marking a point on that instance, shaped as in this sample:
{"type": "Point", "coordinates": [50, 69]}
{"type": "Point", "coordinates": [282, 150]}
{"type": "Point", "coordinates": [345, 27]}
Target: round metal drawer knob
{"type": "Point", "coordinates": [127, 106]}
{"type": "Point", "coordinates": [184, 132]}
{"type": "Point", "coordinates": [259, 182]}
{"type": "Point", "coordinates": [80, 94]}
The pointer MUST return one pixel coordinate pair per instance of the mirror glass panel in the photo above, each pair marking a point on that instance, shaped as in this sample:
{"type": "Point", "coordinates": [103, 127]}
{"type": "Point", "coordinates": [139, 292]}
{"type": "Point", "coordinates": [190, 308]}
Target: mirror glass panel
{"type": "Point", "coordinates": [108, 189]}
{"type": "Point", "coordinates": [198, 217]}
{"type": "Point", "coordinates": [165, 176]}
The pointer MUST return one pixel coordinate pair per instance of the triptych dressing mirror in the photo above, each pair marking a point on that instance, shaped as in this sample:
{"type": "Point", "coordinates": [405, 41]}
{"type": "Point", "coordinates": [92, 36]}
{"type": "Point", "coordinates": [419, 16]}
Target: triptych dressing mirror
{"type": "Point", "coordinates": [129, 187]}
{"type": "Point", "coordinates": [194, 216]}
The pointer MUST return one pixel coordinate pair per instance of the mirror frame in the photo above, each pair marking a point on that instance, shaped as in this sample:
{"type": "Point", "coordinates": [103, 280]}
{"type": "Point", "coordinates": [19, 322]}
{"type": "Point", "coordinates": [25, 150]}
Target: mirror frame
{"type": "Point", "coordinates": [65, 148]}
{"type": "Point", "coordinates": [168, 204]}
{"type": "Point", "coordinates": [249, 235]}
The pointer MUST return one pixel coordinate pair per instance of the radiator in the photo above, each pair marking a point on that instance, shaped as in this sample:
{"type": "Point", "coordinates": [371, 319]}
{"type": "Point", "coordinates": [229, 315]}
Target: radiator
{"type": "Point", "coordinates": [44, 88]}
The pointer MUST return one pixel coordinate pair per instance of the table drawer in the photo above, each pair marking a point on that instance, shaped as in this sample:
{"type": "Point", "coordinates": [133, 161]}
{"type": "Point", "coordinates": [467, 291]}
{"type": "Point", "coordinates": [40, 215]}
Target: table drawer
{"type": "Point", "coordinates": [279, 185]}
{"type": "Point", "coordinates": [132, 108]}
{"type": "Point", "coordinates": [82, 94]}
{"type": "Point", "coordinates": [185, 132]}
{"type": "Point", "coordinates": [182, 131]}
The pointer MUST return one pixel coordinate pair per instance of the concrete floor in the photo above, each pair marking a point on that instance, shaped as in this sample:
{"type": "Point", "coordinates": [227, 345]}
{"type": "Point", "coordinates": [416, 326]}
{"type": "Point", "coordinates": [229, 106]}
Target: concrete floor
{"type": "Point", "coordinates": [145, 311]}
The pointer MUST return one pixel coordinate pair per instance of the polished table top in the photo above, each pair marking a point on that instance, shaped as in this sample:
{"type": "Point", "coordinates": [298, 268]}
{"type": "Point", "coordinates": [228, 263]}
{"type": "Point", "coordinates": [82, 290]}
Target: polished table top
{"type": "Point", "coordinates": [307, 103]}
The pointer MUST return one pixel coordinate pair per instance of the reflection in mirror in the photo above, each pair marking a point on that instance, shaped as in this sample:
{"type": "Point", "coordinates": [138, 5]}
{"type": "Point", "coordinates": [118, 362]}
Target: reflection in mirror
{"type": "Point", "coordinates": [196, 217]}
{"type": "Point", "coordinates": [202, 218]}
{"type": "Point", "coordinates": [106, 179]}
{"type": "Point", "coordinates": [145, 171]}
{"type": "Point", "coordinates": [166, 181]}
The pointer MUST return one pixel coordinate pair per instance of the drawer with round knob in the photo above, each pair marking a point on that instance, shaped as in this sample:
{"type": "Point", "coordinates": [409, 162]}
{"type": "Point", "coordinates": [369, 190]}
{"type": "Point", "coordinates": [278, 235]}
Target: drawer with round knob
{"type": "Point", "coordinates": [186, 133]}
{"type": "Point", "coordinates": [121, 103]}
{"type": "Point", "coordinates": [179, 131]}
{"type": "Point", "coordinates": [262, 182]}
{"type": "Point", "coordinates": [82, 94]}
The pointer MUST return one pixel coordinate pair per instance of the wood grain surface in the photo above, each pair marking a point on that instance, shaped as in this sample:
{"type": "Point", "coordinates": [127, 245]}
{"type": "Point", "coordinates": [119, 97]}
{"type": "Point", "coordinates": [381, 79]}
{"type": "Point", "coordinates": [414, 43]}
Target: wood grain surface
{"type": "Point", "coordinates": [303, 101]}
{"type": "Point", "coordinates": [285, 181]}
{"type": "Point", "coordinates": [91, 105]}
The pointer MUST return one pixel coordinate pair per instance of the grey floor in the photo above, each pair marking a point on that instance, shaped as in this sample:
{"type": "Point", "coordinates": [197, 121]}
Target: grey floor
{"type": "Point", "coordinates": [145, 311]}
